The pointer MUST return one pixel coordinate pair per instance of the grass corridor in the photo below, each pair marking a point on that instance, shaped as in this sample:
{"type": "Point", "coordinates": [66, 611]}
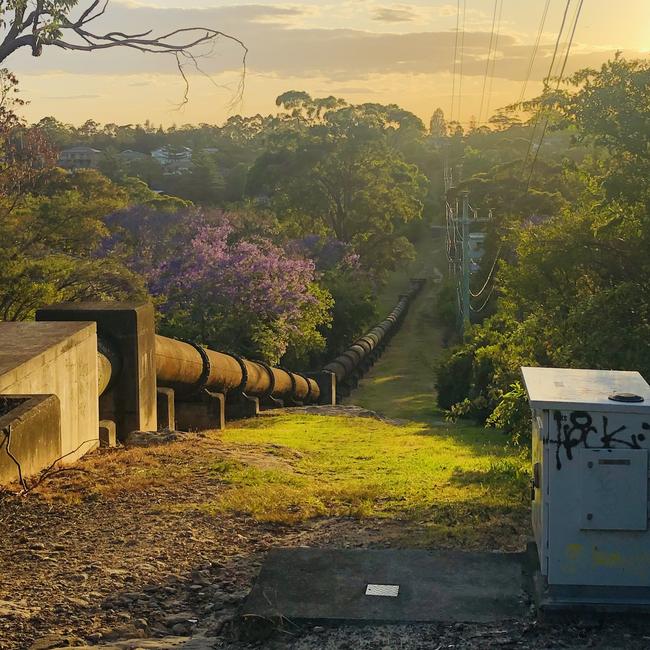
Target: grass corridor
{"type": "Point", "coordinates": [446, 486]}
{"type": "Point", "coordinates": [422, 481]}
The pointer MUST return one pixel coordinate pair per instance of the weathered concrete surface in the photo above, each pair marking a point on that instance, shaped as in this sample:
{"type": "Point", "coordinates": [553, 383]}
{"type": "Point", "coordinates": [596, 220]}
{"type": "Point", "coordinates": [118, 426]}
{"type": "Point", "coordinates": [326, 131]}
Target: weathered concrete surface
{"type": "Point", "coordinates": [166, 408]}
{"type": "Point", "coordinates": [312, 585]}
{"type": "Point", "coordinates": [131, 402]}
{"type": "Point", "coordinates": [30, 433]}
{"type": "Point", "coordinates": [107, 433]}
{"type": "Point", "coordinates": [55, 359]}
{"type": "Point", "coordinates": [202, 412]}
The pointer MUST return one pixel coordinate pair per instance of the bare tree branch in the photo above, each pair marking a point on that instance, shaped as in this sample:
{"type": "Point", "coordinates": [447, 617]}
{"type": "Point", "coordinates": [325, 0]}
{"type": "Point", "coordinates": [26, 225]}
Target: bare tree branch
{"type": "Point", "coordinates": [48, 24]}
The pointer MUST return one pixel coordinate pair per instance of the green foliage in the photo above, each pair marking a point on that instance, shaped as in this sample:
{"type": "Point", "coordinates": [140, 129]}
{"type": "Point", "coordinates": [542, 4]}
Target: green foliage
{"type": "Point", "coordinates": [354, 311]}
{"type": "Point", "coordinates": [512, 414]}
{"type": "Point", "coordinates": [48, 241]}
{"type": "Point", "coordinates": [337, 167]}
{"type": "Point", "coordinates": [572, 288]}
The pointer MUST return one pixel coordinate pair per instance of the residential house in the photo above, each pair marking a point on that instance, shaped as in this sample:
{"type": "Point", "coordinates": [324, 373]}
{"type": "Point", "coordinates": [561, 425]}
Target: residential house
{"type": "Point", "coordinates": [80, 158]}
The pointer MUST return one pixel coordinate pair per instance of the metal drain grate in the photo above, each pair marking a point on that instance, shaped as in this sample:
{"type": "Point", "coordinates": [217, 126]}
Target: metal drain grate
{"type": "Point", "coordinates": [387, 591]}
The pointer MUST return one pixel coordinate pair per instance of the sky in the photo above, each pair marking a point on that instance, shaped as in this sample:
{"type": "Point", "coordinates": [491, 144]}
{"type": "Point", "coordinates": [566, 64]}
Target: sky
{"type": "Point", "coordinates": [360, 50]}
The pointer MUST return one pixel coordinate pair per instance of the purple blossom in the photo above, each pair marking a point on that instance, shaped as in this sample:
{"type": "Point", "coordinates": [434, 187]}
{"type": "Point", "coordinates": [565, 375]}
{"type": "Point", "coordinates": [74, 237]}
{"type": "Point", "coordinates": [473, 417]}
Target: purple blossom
{"type": "Point", "coordinates": [255, 277]}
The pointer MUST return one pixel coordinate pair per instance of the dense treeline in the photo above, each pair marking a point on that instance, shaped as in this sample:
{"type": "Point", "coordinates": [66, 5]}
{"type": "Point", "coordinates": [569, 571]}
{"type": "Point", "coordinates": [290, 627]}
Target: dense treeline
{"type": "Point", "coordinates": [572, 283]}
{"type": "Point", "coordinates": [275, 240]}
{"type": "Point", "coordinates": [273, 243]}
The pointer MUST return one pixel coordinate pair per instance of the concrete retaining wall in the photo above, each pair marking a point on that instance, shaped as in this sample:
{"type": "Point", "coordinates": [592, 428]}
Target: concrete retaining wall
{"type": "Point", "coordinates": [30, 436]}
{"type": "Point", "coordinates": [55, 359]}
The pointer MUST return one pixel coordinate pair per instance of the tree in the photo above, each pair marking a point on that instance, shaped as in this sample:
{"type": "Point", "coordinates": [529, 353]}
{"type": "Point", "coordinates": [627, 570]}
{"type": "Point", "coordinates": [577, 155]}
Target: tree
{"type": "Point", "coordinates": [339, 171]}
{"type": "Point", "coordinates": [244, 295]}
{"type": "Point", "coordinates": [37, 24]}
{"type": "Point", "coordinates": [438, 124]}
{"type": "Point", "coordinates": [49, 244]}
{"type": "Point", "coordinates": [573, 290]}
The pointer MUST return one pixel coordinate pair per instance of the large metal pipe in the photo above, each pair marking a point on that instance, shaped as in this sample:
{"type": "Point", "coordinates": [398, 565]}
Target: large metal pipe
{"type": "Point", "coordinates": [184, 365]}
{"type": "Point", "coordinates": [350, 365]}
{"type": "Point", "coordinates": [109, 365]}
{"type": "Point", "coordinates": [189, 367]}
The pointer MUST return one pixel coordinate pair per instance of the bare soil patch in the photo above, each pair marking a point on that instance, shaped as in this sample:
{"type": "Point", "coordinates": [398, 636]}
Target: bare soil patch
{"type": "Point", "coordinates": [99, 557]}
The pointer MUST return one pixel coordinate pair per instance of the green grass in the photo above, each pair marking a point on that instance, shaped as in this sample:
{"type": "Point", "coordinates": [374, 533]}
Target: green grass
{"type": "Point", "coordinates": [451, 485]}
{"type": "Point", "coordinates": [401, 385]}
{"type": "Point", "coordinates": [438, 483]}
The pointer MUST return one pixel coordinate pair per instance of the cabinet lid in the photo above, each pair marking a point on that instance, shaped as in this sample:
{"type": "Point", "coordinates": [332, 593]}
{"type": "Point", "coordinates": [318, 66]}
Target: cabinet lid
{"type": "Point", "coordinates": [562, 388]}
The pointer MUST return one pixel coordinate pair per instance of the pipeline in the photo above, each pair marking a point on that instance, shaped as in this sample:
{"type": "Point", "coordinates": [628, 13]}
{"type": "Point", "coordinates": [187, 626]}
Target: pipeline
{"type": "Point", "coordinates": [350, 366]}
{"type": "Point", "coordinates": [186, 366]}
{"type": "Point", "coordinates": [189, 369]}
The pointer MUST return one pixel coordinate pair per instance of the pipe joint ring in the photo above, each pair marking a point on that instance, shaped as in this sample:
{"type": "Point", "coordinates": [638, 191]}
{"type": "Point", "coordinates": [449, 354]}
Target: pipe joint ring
{"type": "Point", "coordinates": [269, 372]}
{"type": "Point", "coordinates": [202, 381]}
{"type": "Point", "coordinates": [294, 385]}
{"type": "Point", "coordinates": [244, 371]}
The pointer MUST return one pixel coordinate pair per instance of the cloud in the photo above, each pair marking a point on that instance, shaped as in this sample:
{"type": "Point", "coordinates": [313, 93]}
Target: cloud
{"type": "Point", "coordinates": [278, 47]}
{"type": "Point", "coordinates": [400, 15]}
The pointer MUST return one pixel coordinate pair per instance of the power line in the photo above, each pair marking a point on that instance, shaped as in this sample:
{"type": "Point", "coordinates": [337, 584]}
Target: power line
{"type": "Point", "coordinates": [535, 50]}
{"type": "Point", "coordinates": [576, 18]}
{"type": "Point", "coordinates": [485, 303]}
{"type": "Point", "coordinates": [546, 80]}
{"type": "Point", "coordinates": [494, 57]}
{"type": "Point", "coordinates": [557, 43]}
{"type": "Point", "coordinates": [559, 81]}
{"type": "Point", "coordinates": [487, 62]}
{"type": "Point", "coordinates": [489, 277]}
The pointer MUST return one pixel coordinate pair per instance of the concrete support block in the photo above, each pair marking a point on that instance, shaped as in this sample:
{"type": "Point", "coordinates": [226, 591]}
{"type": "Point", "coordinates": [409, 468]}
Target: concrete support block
{"type": "Point", "coordinates": [107, 433]}
{"type": "Point", "coordinates": [342, 390]}
{"type": "Point", "coordinates": [131, 401]}
{"type": "Point", "coordinates": [30, 435]}
{"type": "Point", "coordinates": [327, 383]}
{"type": "Point", "coordinates": [55, 359]}
{"type": "Point", "coordinates": [203, 413]}
{"type": "Point", "coordinates": [166, 409]}
{"type": "Point", "coordinates": [240, 407]}
{"type": "Point", "coordinates": [270, 403]}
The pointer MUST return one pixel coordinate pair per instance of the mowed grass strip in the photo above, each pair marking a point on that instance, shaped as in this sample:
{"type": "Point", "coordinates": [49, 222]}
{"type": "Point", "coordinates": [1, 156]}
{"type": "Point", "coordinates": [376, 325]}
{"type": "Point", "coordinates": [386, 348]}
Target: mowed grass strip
{"type": "Point", "coordinates": [454, 482]}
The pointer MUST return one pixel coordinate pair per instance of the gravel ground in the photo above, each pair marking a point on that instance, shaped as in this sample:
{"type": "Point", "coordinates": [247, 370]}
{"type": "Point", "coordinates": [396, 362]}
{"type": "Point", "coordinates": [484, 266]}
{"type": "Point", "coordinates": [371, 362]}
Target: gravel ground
{"type": "Point", "coordinates": [125, 571]}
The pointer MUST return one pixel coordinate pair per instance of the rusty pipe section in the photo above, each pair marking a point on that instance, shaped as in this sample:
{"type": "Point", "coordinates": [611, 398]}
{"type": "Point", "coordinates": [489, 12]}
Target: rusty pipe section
{"type": "Point", "coordinates": [353, 363]}
{"type": "Point", "coordinates": [189, 367]}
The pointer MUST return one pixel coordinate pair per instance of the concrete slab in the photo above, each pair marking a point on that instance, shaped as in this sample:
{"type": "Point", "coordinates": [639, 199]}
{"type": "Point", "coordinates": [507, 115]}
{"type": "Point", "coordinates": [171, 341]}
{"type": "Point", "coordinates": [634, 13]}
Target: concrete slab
{"type": "Point", "coordinates": [319, 585]}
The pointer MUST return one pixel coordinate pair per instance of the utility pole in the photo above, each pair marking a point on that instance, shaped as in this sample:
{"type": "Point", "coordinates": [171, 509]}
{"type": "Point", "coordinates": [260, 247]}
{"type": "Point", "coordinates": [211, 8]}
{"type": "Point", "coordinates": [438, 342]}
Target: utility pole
{"type": "Point", "coordinates": [465, 223]}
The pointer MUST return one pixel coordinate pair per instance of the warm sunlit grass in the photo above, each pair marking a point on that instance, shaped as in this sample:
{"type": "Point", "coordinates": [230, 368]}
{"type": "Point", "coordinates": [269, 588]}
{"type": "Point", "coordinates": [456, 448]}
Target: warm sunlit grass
{"type": "Point", "coordinates": [453, 484]}
{"type": "Point", "coordinates": [436, 483]}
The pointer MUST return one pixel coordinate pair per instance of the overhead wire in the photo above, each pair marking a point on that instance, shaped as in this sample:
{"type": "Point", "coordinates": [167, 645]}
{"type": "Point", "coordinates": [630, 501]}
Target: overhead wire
{"type": "Point", "coordinates": [485, 302]}
{"type": "Point", "coordinates": [462, 60]}
{"type": "Point", "coordinates": [494, 58]}
{"type": "Point", "coordinates": [533, 55]}
{"type": "Point", "coordinates": [546, 80]}
{"type": "Point", "coordinates": [559, 81]}
{"type": "Point", "coordinates": [489, 277]}
{"type": "Point", "coordinates": [487, 62]}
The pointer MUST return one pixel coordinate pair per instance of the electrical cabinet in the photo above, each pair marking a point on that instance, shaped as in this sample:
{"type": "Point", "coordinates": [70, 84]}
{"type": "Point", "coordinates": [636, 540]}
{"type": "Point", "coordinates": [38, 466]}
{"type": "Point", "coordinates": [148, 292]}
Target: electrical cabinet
{"type": "Point", "coordinates": [590, 442]}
